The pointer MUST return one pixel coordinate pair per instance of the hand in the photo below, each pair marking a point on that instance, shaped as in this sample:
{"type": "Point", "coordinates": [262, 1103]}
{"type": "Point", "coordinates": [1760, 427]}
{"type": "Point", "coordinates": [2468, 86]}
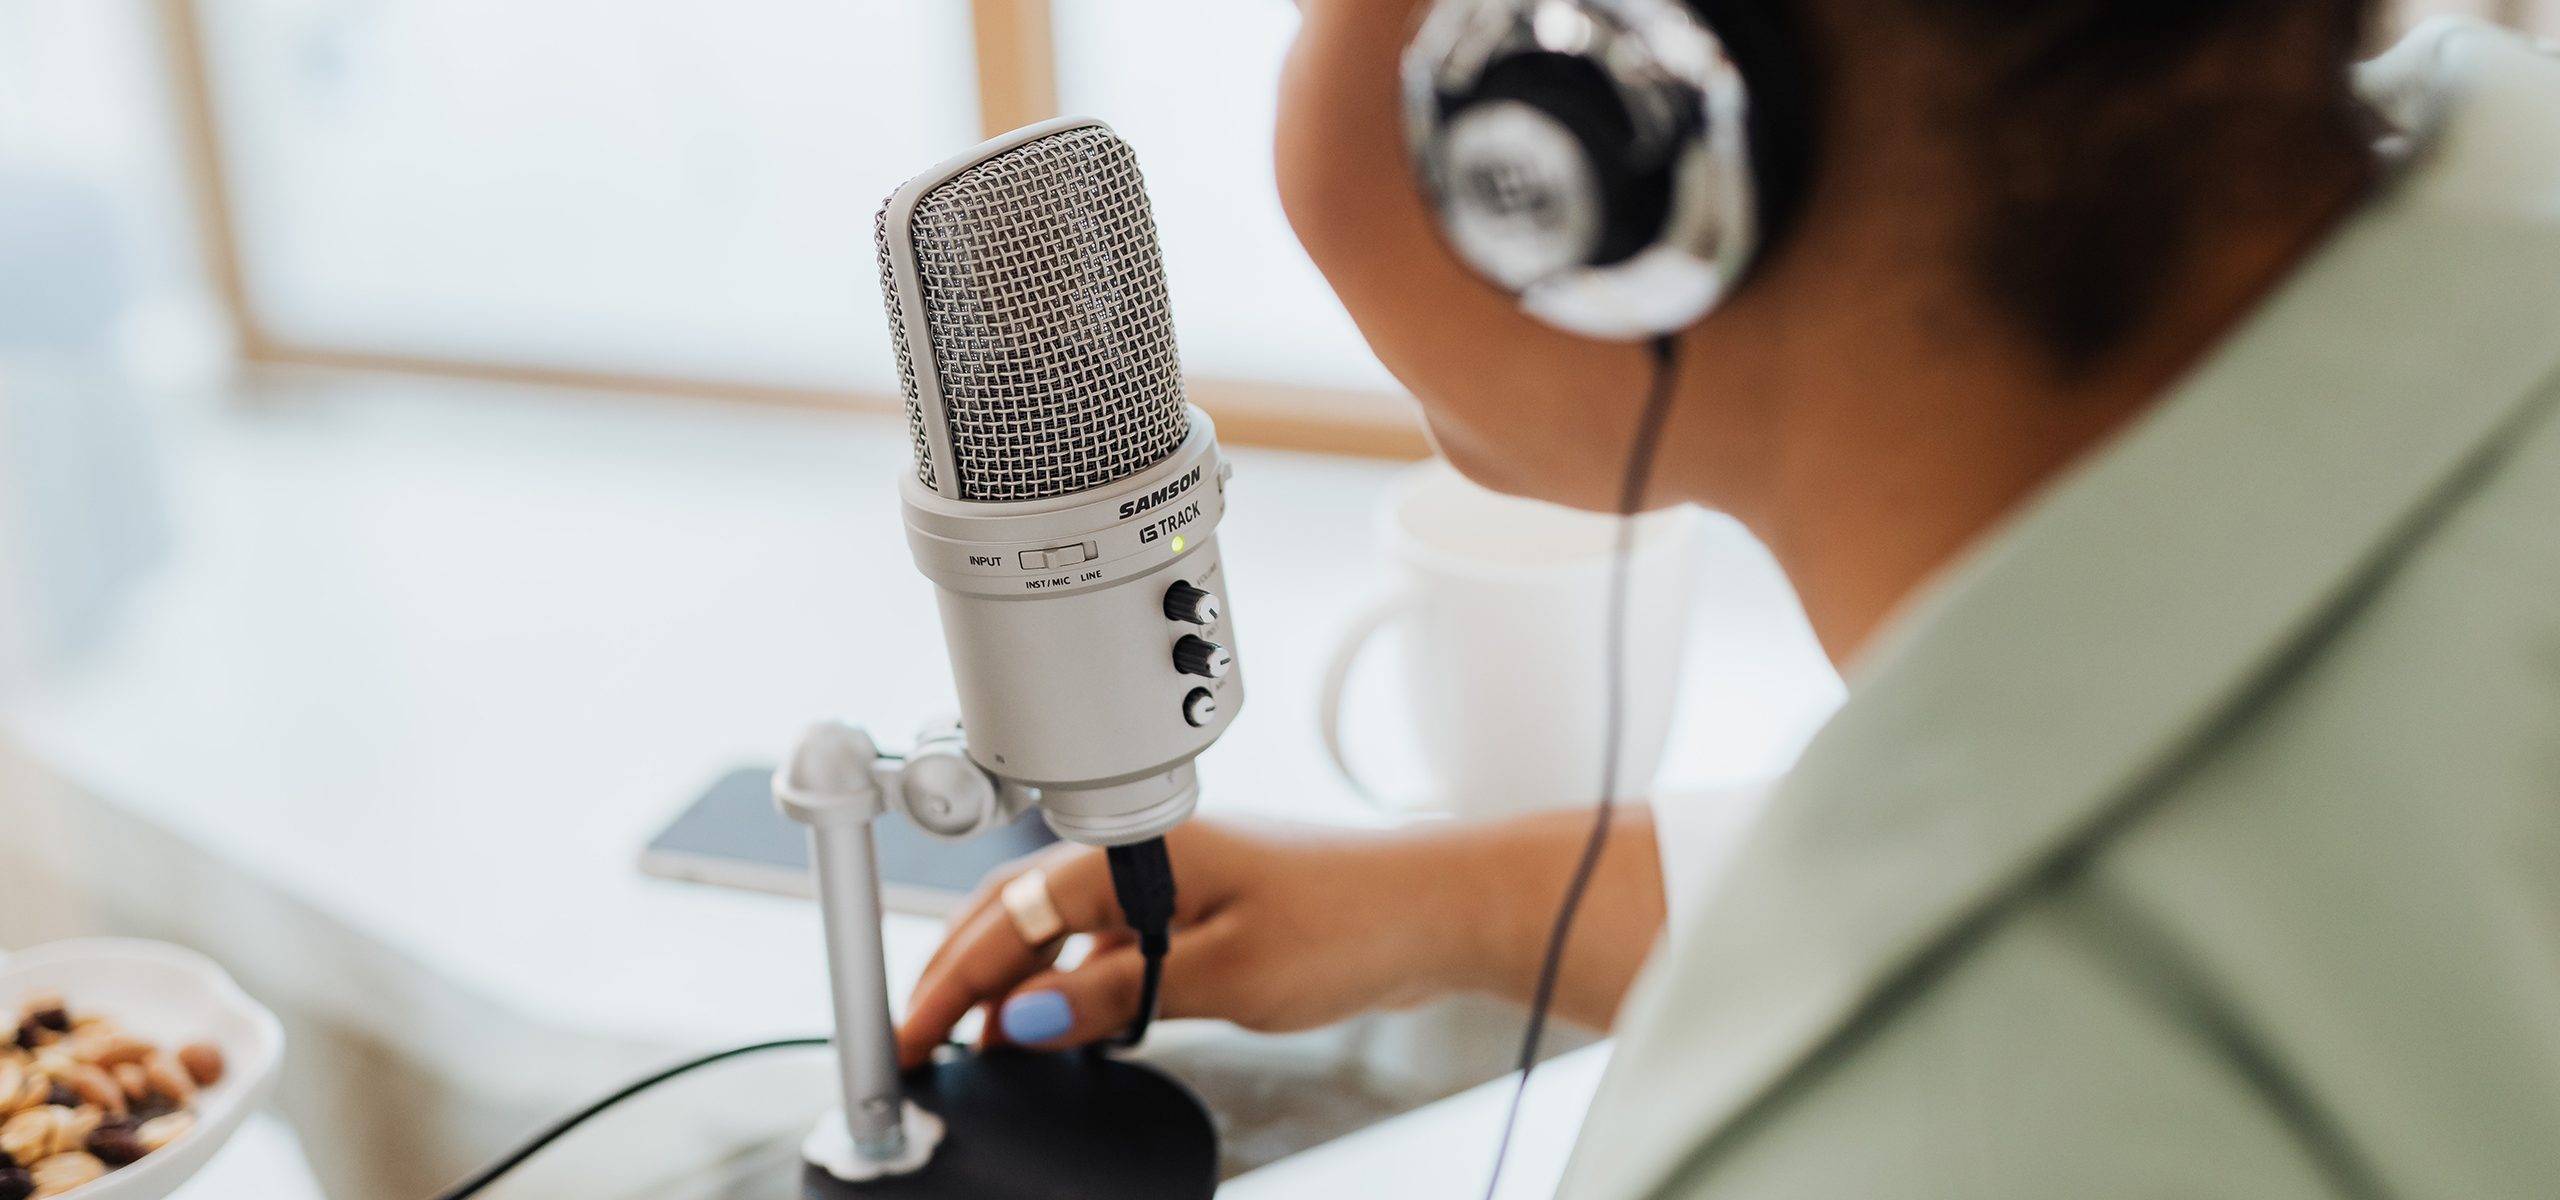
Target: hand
{"type": "Point", "coordinates": [1272, 931]}
{"type": "Point", "coordinates": [1280, 931]}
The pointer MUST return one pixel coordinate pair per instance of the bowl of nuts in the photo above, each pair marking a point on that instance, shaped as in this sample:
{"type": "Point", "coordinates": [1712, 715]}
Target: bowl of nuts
{"type": "Point", "coordinates": [123, 1066]}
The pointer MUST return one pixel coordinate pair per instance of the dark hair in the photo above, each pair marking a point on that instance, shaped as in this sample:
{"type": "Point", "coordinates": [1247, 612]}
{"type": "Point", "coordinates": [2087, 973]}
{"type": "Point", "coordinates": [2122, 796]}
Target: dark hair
{"type": "Point", "coordinates": [2107, 129]}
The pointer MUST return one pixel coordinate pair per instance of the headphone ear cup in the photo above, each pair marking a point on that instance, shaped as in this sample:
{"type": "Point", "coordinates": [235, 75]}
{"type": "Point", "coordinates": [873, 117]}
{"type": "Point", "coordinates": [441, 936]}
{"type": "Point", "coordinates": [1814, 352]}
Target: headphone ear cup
{"type": "Point", "coordinates": [1770, 53]}
{"type": "Point", "coordinates": [1630, 182]}
{"type": "Point", "coordinates": [1603, 161]}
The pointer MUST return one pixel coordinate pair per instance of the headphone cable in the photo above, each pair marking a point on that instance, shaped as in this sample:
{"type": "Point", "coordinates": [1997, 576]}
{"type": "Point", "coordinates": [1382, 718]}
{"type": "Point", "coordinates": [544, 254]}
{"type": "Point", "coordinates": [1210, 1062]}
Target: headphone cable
{"type": "Point", "coordinates": [1665, 367]}
{"type": "Point", "coordinates": [480, 1180]}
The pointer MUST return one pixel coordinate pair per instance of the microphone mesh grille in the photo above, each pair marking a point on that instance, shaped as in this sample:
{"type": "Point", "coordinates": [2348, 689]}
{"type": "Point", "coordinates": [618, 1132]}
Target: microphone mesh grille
{"type": "Point", "coordinates": [1044, 294]}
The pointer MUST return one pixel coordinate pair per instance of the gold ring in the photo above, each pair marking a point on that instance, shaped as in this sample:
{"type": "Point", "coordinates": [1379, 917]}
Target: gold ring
{"type": "Point", "coordinates": [1035, 915]}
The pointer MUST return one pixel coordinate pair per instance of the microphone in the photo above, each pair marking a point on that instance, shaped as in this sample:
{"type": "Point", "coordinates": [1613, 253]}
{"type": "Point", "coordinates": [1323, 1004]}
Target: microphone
{"type": "Point", "coordinates": [1066, 497]}
{"type": "Point", "coordinates": [1064, 501]}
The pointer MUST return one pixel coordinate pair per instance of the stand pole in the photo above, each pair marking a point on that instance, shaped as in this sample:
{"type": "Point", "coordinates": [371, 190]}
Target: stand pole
{"type": "Point", "coordinates": [836, 786]}
{"type": "Point", "coordinates": [866, 1049]}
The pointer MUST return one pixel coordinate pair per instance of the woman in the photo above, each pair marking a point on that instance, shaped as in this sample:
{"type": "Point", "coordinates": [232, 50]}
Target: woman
{"type": "Point", "coordinates": [2156, 421]}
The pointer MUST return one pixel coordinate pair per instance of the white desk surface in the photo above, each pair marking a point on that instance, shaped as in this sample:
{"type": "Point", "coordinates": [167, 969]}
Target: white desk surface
{"type": "Point", "coordinates": [263, 1161]}
{"type": "Point", "coordinates": [437, 660]}
{"type": "Point", "coordinates": [1460, 1132]}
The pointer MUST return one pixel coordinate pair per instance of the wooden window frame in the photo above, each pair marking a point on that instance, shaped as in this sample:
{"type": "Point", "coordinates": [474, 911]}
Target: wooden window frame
{"type": "Point", "coordinates": [1017, 84]}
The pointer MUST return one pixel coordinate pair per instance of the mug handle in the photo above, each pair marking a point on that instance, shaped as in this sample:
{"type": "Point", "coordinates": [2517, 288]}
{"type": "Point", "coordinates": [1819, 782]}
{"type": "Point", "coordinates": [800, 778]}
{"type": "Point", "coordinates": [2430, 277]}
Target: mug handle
{"type": "Point", "coordinates": [1356, 639]}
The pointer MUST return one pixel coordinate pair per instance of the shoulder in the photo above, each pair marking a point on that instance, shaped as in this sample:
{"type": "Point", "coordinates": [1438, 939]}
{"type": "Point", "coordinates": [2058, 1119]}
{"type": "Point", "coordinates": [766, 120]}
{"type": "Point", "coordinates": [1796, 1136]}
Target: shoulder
{"type": "Point", "coordinates": [2419, 729]}
{"type": "Point", "coordinates": [2350, 889]}
{"type": "Point", "coordinates": [2025, 1063]}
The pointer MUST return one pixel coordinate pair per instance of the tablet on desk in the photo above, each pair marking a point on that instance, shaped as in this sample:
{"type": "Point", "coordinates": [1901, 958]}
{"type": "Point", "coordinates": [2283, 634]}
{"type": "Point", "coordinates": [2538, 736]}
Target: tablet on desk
{"type": "Point", "coordinates": [734, 837]}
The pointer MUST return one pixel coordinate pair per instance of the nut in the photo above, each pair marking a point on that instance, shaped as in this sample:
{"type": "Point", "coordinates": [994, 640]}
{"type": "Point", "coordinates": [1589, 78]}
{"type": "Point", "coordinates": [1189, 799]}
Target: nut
{"type": "Point", "coordinates": [156, 1133]}
{"type": "Point", "coordinates": [25, 1136]}
{"type": "Point", "coordinates": [72, 1132]}
{"type": "Point", "coordinates": [29, 1135]}
{"type": "Point", "coordinates": [169, 1080]}
{"type": "Point", "coordinates": [63, 1172]}
{"type": "Point", "coordinates": [95, 1088]}
{"type": "Point", "coordinates": [203, 1061]}
{"type": "Point", "coordinates": [116, 1144]}
{"type": "Point", "coordinates": [32, 1091]}
{"type": "Point", "coordinates": [119, 1050]}
{"type": "Point", "coordinates": [85, 1045]}
{"type": "Point", "coordinates": [80, 1098]}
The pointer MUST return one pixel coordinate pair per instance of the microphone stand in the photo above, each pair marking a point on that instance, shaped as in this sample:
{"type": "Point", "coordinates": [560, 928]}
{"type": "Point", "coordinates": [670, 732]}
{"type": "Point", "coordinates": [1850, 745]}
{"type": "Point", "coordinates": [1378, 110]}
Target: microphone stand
{"type": "Point", "coordinates": [1021, 1124]}
{"type": "Point", "coordinates": [837, 784]}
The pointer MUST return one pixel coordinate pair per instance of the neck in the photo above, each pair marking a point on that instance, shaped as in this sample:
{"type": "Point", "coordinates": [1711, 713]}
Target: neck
{"type": "Point", "coordinates": [1876, 470]}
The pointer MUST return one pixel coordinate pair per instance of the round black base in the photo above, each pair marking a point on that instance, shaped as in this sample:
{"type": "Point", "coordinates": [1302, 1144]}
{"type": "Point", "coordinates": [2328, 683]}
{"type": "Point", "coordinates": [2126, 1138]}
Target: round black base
{"type": "Point", "coordinates": [1073, 1126]}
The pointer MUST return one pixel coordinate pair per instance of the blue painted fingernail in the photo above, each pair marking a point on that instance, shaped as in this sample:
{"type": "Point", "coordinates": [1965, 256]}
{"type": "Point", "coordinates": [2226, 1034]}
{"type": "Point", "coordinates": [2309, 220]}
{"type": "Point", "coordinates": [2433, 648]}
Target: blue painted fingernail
{"type": "Point", "coordinates": [1035, 1017]}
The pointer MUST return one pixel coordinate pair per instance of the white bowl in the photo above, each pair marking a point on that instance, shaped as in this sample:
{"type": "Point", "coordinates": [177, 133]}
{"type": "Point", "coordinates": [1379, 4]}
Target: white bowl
{"type": "Point", "coordinates": [172, 996]}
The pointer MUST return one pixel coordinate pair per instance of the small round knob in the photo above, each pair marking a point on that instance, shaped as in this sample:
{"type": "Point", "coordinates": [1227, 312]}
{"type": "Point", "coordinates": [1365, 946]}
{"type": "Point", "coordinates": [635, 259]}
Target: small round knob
{"type": "Point", "coordinates": [1200, 707]}
{"type": "Point", "coordinates": [1202, 657]}
{"type": "Point", "coordinates": [1197, 606]}
{"type": "Point", "coordinates": [946, 793]}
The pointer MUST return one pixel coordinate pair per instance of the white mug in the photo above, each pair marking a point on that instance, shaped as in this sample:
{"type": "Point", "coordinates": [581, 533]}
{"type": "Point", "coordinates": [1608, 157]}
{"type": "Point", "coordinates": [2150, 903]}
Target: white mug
{"type": "Point", "coordinates": [1502, 608]}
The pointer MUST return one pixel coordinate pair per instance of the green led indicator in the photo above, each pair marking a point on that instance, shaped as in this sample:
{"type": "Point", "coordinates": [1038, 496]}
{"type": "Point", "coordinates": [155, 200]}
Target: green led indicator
{"type": "Point", "coordinates": [1177, 543]}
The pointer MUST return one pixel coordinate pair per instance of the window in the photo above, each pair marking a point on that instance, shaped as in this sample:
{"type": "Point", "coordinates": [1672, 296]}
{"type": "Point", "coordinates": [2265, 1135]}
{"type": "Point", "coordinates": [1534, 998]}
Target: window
{"type": "Point", "coordinates": [1193, 85]}
{"type": "Point", "coordinates": [679, 188]}
{"type": "Point", "coordinates": [681, 191]}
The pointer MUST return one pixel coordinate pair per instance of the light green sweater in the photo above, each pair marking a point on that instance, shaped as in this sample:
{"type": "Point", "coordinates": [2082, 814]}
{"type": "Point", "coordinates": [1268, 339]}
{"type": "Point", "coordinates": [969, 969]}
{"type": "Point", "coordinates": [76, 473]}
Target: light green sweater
{"type": "Point", "coordinates": [2199, 835]}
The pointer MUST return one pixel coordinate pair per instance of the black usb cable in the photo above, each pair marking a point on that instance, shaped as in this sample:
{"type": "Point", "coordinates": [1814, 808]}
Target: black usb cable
{"type": "Point", "coordinates": [1142, 876]}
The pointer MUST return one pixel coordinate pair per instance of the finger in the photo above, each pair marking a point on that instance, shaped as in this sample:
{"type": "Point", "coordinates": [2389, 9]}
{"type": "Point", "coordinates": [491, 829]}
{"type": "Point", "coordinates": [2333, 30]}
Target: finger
{"type": "Point", "coordinates": [990, 893]}
{"type": "Point", "coordinates": [1099, 999]}
{"type": "Point", "coordinates": [947, 990]}
{"type": "Point", "coordinates": [985, 958]}
{"type": "Point", "coordinates": [1059, 1009]}
{"type": "Point", "coordinates": [1071, 956]}
{"type": "Point", "coordinates": [991, 958]}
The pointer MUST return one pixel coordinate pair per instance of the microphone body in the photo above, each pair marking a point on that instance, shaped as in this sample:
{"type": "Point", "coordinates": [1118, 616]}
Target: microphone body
{"type": "Point", "coordinates": [1066, 497]}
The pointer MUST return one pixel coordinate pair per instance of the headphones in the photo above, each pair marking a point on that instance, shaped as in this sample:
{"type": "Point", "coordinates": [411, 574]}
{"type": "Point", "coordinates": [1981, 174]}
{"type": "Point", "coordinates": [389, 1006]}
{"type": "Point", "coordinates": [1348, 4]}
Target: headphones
{"type": "Point", "coordinates": [1619, 165]}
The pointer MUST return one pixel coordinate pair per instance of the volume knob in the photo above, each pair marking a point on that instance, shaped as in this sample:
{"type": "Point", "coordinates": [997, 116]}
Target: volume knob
{"type": "Point", "coordinates": [1198, 606]}
{"type": "Point", "coordinates": [1202, 657]}
{"type": "Point", "coordinates": [1200, 707]}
